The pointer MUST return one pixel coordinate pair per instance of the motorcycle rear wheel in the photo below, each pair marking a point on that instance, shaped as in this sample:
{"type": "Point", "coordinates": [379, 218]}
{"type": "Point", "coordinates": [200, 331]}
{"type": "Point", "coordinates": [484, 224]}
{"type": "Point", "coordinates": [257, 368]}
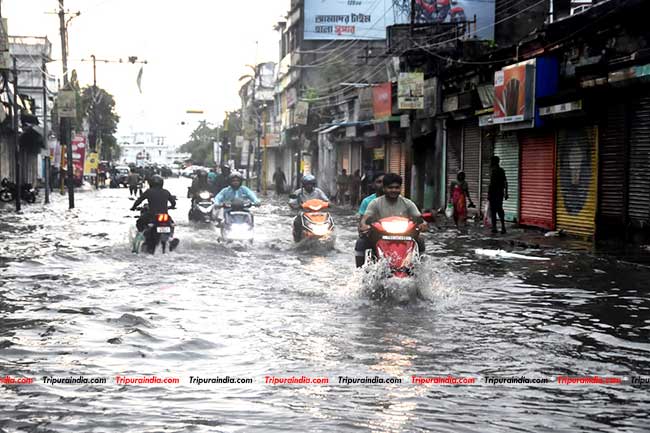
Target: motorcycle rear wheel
{"type": "Point", "coordinates": [6, 196]}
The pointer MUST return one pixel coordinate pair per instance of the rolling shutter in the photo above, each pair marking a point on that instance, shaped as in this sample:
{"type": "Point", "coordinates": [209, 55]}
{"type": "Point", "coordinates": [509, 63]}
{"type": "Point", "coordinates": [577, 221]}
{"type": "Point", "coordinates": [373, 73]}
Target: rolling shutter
{"type": "Point", "coordinates": [577, 175]}
{"type": "Point", "coordinates": [537, 179]}
{"type": "Point", "coordinates": [472, 157]}
{"type": "Point", "coordinates": [639, 173]}
{"type": "Point", "coordinates": [612, 178]}
{"type": "Point", "coordinates": [396, 160]}
{"type": "Point", "coordinates": [506, 147]}
{"type": "Point", "coordinates": [487, 150]}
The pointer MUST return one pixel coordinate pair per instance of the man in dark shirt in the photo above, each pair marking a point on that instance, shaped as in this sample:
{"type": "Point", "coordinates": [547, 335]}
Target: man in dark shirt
{"type": "Point", "coordinates": [157, 197]}
{"type": "Point", "coordinates": [497, 192]}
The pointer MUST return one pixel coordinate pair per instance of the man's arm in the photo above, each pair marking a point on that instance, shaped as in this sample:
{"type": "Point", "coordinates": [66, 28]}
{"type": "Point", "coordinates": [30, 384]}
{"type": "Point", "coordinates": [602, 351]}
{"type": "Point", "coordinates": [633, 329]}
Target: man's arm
{"type": "Point", "coordinates": [251, 195]}
{"type": "Point", "coordinates": [505, 184]}
{"type": "Point", "coordinates": [371, 213]}
{"type": "Point", "coordinates": [322, 195]}
{"type": "Point", "coordinates": [171, 199]}
{"type": "Point", "coordinates": [220, 197]}
{"type": "Point", "coordinates": [143, 197]}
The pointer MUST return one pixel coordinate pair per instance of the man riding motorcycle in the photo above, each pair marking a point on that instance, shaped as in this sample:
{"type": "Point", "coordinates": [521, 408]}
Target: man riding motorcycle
{"type": "Point", "coordinates": [362, 242]}
{"type": "Point", "coordinates": [301, 195]}
{"type": "Point", "coordinates": [200, 183]}
{"type": "Point", "coordinates": [157, 198]}
{"type": "Point", "coordinates": [392, 203]}
{"type": "Point", "coordinates": [235, 190]}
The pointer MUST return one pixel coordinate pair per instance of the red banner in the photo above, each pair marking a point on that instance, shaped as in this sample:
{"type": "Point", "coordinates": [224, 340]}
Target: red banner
{"type": "Point", "coordinates": [78, 155]}
{"type": "Point", "coordinates": [382, 99]}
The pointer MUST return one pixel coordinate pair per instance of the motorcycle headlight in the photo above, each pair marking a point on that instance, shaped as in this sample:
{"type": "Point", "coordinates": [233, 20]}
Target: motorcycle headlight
{"type": "Point", "coordinates": [320, 230]}
{"type": "Point", "coordinates": [204, 195]}
{"type": "Point", "coordinates": [395, 227]}
{"type": "Point", "coordinates": [240, 231]}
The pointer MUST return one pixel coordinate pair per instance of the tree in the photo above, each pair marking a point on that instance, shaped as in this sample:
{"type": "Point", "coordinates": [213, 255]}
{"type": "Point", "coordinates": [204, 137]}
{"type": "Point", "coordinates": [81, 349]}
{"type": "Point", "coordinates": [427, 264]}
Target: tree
{"type": "Point", "coordinates": [98, 107]}
{"type": "Point", "coordinates": [200, 144]}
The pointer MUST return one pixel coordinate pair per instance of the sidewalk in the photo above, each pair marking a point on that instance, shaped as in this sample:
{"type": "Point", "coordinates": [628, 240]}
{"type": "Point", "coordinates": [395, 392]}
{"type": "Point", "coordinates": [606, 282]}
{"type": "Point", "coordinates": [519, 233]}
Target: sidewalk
{"type": "Point", "coordinates": [518, 238]}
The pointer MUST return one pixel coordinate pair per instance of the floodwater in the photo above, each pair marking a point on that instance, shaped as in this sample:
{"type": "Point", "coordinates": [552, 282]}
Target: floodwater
{"type": "Point", "coordinates": [74, 301]}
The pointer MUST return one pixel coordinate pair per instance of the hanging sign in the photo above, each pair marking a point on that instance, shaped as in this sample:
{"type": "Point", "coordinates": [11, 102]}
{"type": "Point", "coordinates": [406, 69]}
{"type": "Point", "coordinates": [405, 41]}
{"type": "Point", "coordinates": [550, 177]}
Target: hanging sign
{"type": "Point", "coordinates": [410, 91]}
{"type": "Point", "coordinates": [67, 104]}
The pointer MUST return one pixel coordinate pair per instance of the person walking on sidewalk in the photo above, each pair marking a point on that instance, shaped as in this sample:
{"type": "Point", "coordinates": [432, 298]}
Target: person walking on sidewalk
{"type": "Point", "coordinates": [497, 192]}
{"type": "Point", "coordinates": [459, 197]}
{"type": "Point", "coordinates": [279, 179]}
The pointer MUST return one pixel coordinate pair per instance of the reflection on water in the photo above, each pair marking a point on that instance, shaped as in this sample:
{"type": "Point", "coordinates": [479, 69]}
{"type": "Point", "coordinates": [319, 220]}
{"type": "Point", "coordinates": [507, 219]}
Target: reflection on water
{"type": "Point", "coordinates": [75, 301]}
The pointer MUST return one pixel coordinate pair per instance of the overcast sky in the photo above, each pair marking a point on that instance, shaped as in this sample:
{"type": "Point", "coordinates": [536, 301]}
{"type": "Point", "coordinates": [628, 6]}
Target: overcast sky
{"type": "Point", "coordinates": [196, 51]}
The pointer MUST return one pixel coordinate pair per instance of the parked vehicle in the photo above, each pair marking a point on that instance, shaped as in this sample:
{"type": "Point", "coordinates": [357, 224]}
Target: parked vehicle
{"type": "Point", "coordinates": [8, 191]}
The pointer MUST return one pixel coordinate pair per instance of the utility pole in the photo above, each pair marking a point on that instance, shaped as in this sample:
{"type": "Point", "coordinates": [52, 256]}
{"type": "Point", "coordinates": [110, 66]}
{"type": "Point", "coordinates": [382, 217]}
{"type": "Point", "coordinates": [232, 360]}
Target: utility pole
{"type": "Point", "coordinates": [45, 133]}
{"type": "Point", "coordinates": [15, 125]}
{"type": "Point", "coordinates": [65, 122]}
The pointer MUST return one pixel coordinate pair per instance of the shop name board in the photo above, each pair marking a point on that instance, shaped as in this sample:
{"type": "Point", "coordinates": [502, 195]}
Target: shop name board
{"type": "Point", "coordinates": [514, 93]}
{"type": "Point", "coordinates": [561, 108]}
{"type": "Point", "coordinates": [410, 91]}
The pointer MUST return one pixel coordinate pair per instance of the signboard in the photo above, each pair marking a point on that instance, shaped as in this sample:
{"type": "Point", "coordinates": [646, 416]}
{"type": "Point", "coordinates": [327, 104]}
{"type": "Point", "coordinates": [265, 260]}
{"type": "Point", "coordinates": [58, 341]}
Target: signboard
{"type": "Point", "coordinates": [561, 108]}
{"type": "Point", "coordinates": [92, 162]}
{"type": "Point", "coordinates": [78, 155]}
{"type": "Point", "coordinates": [292, 97]}
{"type": "Point", "coordinates": [410, 91]}
{"type": "Point", "coordinates": [368, 19]}
{"type": "Point", "coordinates": [216, 152]}
{"type": "Point", "coordinates": [239, 141]}
{"type": "Point", "coordinates": [382, 96]}
{"type": "Point", "coordinates": [67, 104]}
{"type": "Point", "coordinates": [514, 93]}
{"type": "Point", "coordinates": [55, 152]}
{"type": "Point", "coordinates": [301, 114]}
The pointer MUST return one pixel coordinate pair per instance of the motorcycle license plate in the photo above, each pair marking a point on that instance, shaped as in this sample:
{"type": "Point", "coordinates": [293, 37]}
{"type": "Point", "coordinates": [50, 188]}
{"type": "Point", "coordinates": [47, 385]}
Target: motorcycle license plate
{"type": "Point", "coordinates": [164, 229]}
{"type": "Point", "coordinates": [397, 238]}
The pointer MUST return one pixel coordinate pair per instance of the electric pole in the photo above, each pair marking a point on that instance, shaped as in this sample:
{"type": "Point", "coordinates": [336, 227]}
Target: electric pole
{"type": "Point", "coordinates": [48, 165]}
{"type": "Point", "coordinates": [16, 125]}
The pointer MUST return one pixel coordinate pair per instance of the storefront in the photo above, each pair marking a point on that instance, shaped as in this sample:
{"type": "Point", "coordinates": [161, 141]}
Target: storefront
{"type": "Point", "coordinates": [506, 147]}
{"type": "Point", "coordinates": [638, 203]}
{"type": "Point", "coordinates": [537, 177]}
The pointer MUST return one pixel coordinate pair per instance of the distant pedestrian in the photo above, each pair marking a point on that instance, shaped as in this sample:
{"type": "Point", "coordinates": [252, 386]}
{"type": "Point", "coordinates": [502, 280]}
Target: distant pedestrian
{"type": "Point", "coordinates": [458, 197]}
{"type": "Point", "coordinates": [280, 180]}
{"type": "Point", "coordinates": [342, 186]}
{"type": "Point", "coordinates": [355, 188]}
{"type": "Point", "coordinates": [133, 180]}
{"type": "Point", "coordinates": [497, 192]}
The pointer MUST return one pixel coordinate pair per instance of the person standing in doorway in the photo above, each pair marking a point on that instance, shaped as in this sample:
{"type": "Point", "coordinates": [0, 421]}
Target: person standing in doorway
{"type": "Point", "coordinates": [459, 197]}
{"type": "Point", "coordinates": [279, 179]}
{"type": "Point", "coordinates": [342, 185]}
{"type": "Point", "coordinates": [355, 188]}
{"type": "Point", "coordinates": [497, 192]}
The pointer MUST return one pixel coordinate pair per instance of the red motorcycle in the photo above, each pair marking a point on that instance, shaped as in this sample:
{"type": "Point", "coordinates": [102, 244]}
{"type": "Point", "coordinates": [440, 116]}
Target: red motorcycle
{"type": "Point", "coordinates": [396, 242]}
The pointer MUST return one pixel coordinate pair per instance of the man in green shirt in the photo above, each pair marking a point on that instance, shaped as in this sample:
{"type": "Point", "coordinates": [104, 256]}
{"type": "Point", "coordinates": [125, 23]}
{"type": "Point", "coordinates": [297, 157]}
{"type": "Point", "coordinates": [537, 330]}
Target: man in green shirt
{"type": "Point", "coordinates": [362, 243]}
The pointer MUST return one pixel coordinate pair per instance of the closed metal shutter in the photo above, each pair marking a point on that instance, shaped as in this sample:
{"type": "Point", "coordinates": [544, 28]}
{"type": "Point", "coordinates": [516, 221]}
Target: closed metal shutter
{"type": "Point", "coordinates": [537, 179]}
{"type": "Point", "coordinates": [396, 160]}
{"type": "Point", "coordinates": [487, 150]}
{"type": "Point", "coordinates": [612, 177]}
{"type": "Point", "coordinates": [454, 155]}
{"type": "Point", "coordinates": [577, 180]}
{"type": "Point", "coordinates": [472, 157]}
{"type": "Point", "coordinates": [506, 147]}
{"type": "Point", "coordinates": [639, 174]}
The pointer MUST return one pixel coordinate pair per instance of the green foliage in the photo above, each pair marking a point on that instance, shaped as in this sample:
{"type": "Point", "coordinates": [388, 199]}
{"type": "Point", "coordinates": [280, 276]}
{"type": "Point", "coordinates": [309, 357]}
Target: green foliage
{"type": "Point", "coordinates": [200, 144]}
{"type": "Point", "coordinates": [99, 107]}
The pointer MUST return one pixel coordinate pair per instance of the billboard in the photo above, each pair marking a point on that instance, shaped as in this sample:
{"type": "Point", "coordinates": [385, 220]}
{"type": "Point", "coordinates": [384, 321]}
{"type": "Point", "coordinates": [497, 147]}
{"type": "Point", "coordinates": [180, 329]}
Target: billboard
{"type": "Point", "coordinates": [514, 93]}
{"type": "Point", "coordinates": [410, 91]}
{"type": "Point", "coordinates": [368, 19]}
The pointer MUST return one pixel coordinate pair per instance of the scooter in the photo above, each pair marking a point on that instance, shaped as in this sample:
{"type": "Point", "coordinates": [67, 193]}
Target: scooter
{"type": "Point", "coordinates": [238, 223]}
{"type": "Point", "coordinates": [160, 231]}
{"type": "Point", "coordinates": [203, 209]}
{"type": "Point", "coordinates": [8, 191]}
{"type": "Point", "coordinates": [316, 223]}
{"type": "Point", "coordinates": [395, 240]}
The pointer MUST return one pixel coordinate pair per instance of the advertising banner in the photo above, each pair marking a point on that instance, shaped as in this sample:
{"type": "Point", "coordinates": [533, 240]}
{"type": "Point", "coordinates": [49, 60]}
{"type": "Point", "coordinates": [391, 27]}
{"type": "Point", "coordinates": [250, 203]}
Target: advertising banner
{"type": "Point", "coordinates": [67, 104]}
{"type": "Point", "coordinates": [55, 152]}
{"type": "Point", "coordinates": [382, 100]}
{"type": "Point", "coordinates": [78, 155]}
{"type": "Point", "coordinates": [92, 162]}
{"type": "Point", "coordinates": [301, 114]}
{"type": "Point", "coordinates": [410, 91]}
{"type": "Point", "coordinates": [368, 19]}
{"type": "Point", "coordinates": [514, 93]}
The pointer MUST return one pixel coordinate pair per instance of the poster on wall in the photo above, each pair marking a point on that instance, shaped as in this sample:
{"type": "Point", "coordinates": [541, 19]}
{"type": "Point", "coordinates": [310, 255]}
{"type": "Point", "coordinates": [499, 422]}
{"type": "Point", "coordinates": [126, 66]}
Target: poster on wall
{"type": "Point", "coordinates": [382, 96]}
{"type": "Point", "coordinates": [514, 93]}
{"type": "Point", "coordinates": [368, 19]}
{"type": "Point", "coordinates": [410, 91]}
{"type": "Point", "coordinates": [78, 155]}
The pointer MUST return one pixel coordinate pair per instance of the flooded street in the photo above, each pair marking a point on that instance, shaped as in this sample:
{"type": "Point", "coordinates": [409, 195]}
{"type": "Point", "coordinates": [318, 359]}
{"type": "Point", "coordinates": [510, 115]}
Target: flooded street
{"type": "Point", "coordinates": [75, 301]}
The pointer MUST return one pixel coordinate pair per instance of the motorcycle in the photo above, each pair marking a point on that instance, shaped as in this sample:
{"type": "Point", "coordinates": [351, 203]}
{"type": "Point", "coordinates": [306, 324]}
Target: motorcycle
{"type": "Point", "coordinates": [203, 209]}
{"type": "Point", "coordinates": [160, 231]}
{"type": "Point", "coordinates": [428, 11]}
{"type": "Point", "coordinates": [395, 240]}
{"type": "Point", "coordinates": [238, 222]}
{"type": "Point", "coordinates": [316, 223]}
{"type": "Point", "coordinates": [8, 191]}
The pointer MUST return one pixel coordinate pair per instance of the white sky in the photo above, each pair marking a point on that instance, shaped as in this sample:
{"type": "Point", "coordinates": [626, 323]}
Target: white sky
{"type": "Point", "coordinates": [196, 49]}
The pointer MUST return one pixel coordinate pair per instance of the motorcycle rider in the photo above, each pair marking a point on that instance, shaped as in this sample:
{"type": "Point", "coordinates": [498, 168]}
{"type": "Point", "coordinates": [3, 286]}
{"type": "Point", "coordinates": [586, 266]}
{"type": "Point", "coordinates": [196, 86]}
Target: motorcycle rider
{"type": "Point", "coordinates": [362, 243]}
{"type": "Point", "coordinates": [157, 198]}
{"type": "Point", "coordinates": [301, 195]}
{"type": "Point", "coordinates": [235, 190]}
{"type": "Point", "coordinates": [392, 203]}
{"type": "Point", "coordinates": [200, 183]}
